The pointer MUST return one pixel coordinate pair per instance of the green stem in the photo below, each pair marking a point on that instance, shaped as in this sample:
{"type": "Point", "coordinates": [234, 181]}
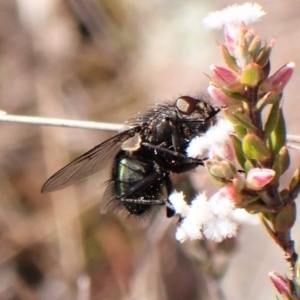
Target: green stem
{"type": "Point", "coordinates": [252, 96]}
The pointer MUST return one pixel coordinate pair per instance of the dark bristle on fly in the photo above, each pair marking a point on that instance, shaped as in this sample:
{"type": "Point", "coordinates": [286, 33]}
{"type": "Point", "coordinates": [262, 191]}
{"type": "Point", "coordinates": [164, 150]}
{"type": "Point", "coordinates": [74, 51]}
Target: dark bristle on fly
{"type": "Point", "coordinates": [141, 174]}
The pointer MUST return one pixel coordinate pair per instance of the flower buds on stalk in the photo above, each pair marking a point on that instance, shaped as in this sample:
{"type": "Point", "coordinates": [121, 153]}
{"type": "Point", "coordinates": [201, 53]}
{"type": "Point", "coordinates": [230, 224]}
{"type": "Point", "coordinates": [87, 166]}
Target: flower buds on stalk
{"type": "Point", "coordinates": [259, 145]}
{"type": "Point", "coordinates": [245, 153]}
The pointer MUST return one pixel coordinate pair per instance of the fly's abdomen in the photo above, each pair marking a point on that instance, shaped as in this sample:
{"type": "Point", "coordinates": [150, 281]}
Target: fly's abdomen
{"type": "Point", "coordinates": [136, 179]}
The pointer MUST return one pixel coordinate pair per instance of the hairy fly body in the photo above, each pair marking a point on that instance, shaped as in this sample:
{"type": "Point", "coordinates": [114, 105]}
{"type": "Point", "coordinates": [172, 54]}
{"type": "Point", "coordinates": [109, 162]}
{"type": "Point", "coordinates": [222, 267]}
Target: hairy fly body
{"type": "Point", "coordinates": [144, 156]}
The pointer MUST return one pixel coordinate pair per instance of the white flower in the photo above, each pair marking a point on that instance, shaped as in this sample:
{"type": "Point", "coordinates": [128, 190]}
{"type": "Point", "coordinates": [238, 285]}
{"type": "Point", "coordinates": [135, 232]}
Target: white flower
{"type": "Point", "coordinates": [227, 228]}
{"type": "Point", "coordinates": [198, 214]}
{"type": "Point", "coordinates": [246, 13]}
{"type": "Point", "coordinates": [191, 230]}
{"type": "Point", "coordinates": [210, 218]}
{"type": "Point", "coordinates": [221, 207]}
{"type": "Point", "coordinates": [198, 147]}
{"type": "Point", "coordinates": [179, 205]}
{"type": "Point", "coordinates": [181, 235]}
{"type": "Point", "coordinates": [215, 142]}
{"type": "Point", "coordinates": [220, 228]}
{"type": "Point", "coordinates": [210, 232]}
{"type": "Point", "coordinates": [219, 132]}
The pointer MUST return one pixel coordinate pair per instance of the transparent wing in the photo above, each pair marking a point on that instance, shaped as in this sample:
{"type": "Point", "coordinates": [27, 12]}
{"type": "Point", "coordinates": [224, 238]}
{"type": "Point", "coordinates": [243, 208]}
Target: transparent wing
{"type": "Point", "coordinates": [88, 163]}
{"type": "Point", "coordinates": [110, 202]}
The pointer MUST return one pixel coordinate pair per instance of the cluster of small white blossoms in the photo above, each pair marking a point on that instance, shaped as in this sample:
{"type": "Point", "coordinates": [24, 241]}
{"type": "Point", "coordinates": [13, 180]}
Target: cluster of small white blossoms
{"type": "Point", "coordinates": [212, 218]}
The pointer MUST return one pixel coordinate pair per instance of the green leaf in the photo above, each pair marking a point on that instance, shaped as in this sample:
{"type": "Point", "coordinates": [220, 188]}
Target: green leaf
{"type": "Point", "coordinates": [269, 98]}
{"type": "Point", "coordinates": [264, 55]}
{"type": "Point", "coordinates": [239, 117]}
{"type": "Point", "coordinates": [255, 149]}
{"type": "Point", "coordinates": [248, 166]}
{"type": "Point", "coordinates": [254, 47]}
{"type": "Point", "coordinates": [252, 75]}
{"type": "Point", "coordinates": [281, 163]}
{"type": "Point", "coordinates": [234, 95]}
{"type": "Point", "coordinates": [295, 180]}
{"type": "Point", "coordinates": [294, 185]}
{"type": "Point", "coordinates": [229, 59]}
{"type": "Point", "coordinates": [272, 119]}
{"type": "Point", "coordinates": [285, 218]}
{"type": "Point", "coordinates": [278, 136]}
{"type": "Point", "coordinates": [240, 131]}
{"type": "Point", "coordinates": [284, 159]}
{"type": "Point", "coordinates": [237, 144]}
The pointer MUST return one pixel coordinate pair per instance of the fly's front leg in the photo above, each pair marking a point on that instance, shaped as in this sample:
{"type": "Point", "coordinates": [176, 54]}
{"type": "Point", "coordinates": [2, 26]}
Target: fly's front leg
{"type": "Point", "coordinates": [173, 160]}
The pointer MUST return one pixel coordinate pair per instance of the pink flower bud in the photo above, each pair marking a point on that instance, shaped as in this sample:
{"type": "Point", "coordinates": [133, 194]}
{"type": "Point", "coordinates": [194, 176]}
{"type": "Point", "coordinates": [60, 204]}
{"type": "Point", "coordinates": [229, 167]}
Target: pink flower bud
{"type": "Point", "coordinates": [281, 283]}
{"type": "Point", "coordinates": [224, 201]}
{"type": "Point", "coordinates": [226, 78]}
{"type": "Point", "coordinates": [219, 96]}
{"type": "Point", "coordinates": [231, 37]}
{"type": "Point", "coordinates": [229, 152]}
{"type": "Point", "coordinates": [258, 178]}
{"type": "Point", "coordinates": [280, 79]}
{"type": "Point", "coordinates": [224, 150]}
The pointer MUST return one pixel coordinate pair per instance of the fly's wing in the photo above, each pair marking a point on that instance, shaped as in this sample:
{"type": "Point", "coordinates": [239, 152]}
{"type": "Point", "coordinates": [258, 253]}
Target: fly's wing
{"type": "Point", "coordinates": [110, 201]}
{"type": "Point", "coordinates": [88, 163]}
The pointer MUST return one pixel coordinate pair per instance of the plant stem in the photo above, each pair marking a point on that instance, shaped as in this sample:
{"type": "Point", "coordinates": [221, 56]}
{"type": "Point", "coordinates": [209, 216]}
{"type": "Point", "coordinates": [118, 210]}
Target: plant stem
{"type": "Point", "coordinates": [255, 115]}
{"type": "Point", "coordinates": [287, 245]}
{"type": "Point", "coordinates": [60, 122]}
{"type": "Point", "coordinates": [45, 121]}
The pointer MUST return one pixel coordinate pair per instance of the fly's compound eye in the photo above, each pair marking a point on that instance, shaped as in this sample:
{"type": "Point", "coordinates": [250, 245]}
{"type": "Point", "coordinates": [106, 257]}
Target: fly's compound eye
{"type": "Point", "coordinates": [186, 105]}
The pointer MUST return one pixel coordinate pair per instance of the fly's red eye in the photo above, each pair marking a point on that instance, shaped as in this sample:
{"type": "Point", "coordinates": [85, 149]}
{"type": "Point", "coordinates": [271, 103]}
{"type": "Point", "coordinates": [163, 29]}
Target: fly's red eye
{"type": "Point", "coordinates": [186, 105]}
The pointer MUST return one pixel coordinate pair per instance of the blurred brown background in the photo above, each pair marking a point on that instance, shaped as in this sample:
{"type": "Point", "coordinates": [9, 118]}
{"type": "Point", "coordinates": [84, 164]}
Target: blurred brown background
{"type": "Point", "coordinates": [104, 60]}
